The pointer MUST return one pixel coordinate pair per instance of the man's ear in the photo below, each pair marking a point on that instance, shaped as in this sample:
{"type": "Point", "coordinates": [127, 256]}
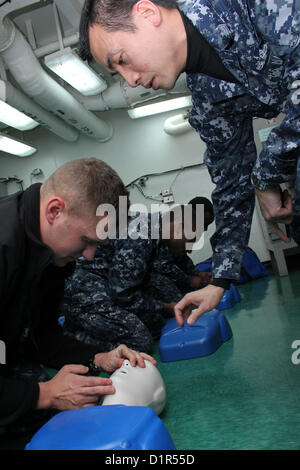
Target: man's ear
{"type": "Point", "coordinates": [54, 209]}
{"type": "Point", "coordinates": [147, 10]}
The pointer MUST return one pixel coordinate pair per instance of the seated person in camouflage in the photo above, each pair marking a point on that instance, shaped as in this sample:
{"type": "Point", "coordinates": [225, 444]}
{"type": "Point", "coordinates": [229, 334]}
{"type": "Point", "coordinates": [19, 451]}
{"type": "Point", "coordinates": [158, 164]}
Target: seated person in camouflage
{"type": "Point", "coordinates": [173, 272]}
{"type": "Point", "coordinates": [125, 293]}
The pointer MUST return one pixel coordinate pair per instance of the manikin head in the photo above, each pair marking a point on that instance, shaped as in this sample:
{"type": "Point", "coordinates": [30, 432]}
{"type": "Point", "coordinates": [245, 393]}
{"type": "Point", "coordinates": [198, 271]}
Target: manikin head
{"type": "Point", "coordinates": [144, 41]}
{"type": "Point", "coordinates": [68, 203]}
{"type": "Point", "coordinates": [137, 386]}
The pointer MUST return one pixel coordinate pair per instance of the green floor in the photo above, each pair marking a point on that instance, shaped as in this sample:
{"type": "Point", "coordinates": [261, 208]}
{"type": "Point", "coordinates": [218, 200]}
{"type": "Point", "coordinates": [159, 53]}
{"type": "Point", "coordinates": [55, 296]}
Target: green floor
{"type": "Point", "coordinates": [247, 394]}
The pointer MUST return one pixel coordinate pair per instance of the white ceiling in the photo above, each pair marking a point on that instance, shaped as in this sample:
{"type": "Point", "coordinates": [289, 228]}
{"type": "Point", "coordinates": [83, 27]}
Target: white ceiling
{"type": "Point", "coordinates": [38, 25]}
{"type": "Point", "coordinates": [45, 24]}
{"type": "Point", "coordinates": [38, 21]}
{"type": "Point", "coordinates": [41, 16]}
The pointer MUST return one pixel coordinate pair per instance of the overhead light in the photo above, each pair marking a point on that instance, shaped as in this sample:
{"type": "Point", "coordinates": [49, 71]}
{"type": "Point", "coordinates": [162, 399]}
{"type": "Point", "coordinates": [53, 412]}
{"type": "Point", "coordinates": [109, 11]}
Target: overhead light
{"type": "Point", "coordinates": [161, 107]}
{"type": "Point", "coordinates": [15, 147]}
{"type": "Point", "coordinates": [67, 65]}
{"type": "Point", "coordinates": [14, 118]}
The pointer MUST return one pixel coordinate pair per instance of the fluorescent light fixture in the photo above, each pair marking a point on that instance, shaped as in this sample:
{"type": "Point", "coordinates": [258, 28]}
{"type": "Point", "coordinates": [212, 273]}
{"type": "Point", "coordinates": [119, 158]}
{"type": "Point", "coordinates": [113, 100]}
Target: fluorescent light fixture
{"type": "Point", "coordinates": [161, 107]}
{"type": "Point", "coordinates": [67, 65]}
{"type": "Point", "coordinates": [14, 118]}
{"type": "Point", "coordinates": [15, 147]}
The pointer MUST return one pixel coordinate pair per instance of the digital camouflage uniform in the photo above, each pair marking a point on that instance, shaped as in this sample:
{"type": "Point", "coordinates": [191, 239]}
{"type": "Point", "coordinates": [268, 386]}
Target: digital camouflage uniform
{"type": "Point", "coordinates": [118, 297]}
{"type": "Point", "coordinates": [168, 278]}
{"type": "Point", "coordinates": [258, 42]}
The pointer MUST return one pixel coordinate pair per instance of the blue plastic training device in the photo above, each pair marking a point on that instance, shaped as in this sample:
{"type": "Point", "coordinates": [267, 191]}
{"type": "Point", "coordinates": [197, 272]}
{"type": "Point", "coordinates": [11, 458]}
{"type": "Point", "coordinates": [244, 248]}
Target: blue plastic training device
{"type": "Point", "coordinates": [202, 338]}
{"type": "Point", "coordinates": [252, 268]}
{"type": "Point", "coordinates": [111, 427]}
{"type": "Point", "coordinates": [230, 297]}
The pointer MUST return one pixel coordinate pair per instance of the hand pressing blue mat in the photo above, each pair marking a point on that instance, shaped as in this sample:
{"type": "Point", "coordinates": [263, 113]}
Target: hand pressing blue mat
{"type": "Point", "coordinates": [202, 338]}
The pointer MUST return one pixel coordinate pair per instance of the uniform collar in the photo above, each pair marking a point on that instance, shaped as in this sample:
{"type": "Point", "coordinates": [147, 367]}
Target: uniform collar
{"type": "Point", "coordinates": [201, 57]}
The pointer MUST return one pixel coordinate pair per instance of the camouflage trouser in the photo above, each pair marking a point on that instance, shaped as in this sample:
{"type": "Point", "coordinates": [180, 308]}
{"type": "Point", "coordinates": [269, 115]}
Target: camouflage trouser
{"type": "Point", "coordinates": [93, 318]}
{"type": "Point", "coordinates": [112, 327]}
{"type": "Point", "coordinates": [296, 208]}
{"type": "Point", "coordinates": [162, 288]}
{"type": "Point", "coordinates": [33, 420]}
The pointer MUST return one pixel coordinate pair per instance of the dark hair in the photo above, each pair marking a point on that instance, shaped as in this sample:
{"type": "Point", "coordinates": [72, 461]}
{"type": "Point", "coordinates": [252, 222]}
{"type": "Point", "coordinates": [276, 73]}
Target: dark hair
{"type": "Point", "coordinates": [208, 212]}
{"type": "Point", "coordinates": [208, 207]}
{"type": "Point", "coordinates": [112, 15]}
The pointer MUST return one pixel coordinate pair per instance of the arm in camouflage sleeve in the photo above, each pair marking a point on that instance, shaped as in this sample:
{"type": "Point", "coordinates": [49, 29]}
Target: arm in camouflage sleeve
{"type": "Point", "coordinates": [278, 159]}
{"type": "Point", "coordinates": [277, 162]}
{"type": "Point", "coordinates": [187, 265]}
{"type": "Point", "coordinates": [128, 275]}
{"type": "Point", "coordinates": [164, 263]}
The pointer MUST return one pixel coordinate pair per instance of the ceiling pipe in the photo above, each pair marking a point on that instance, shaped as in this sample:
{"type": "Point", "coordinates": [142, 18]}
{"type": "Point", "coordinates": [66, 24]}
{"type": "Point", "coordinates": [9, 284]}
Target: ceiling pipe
{"type": "Point", "coordinates": [16, 98]}
{"type": "Point", "coordinates": [120, 95]}
{"type": "Point", "coordinates": [32, 78]}
{"type": "Point", "coordinates": [71, 10]}
{"type": "Point", "coordinates": [57, 25]}
{"type": "Point", "coordinates": [177, 125]}
{"type": "Point", "coordinates": [68, 41]}
{"type": "Point", "coordinates": [6, 32]}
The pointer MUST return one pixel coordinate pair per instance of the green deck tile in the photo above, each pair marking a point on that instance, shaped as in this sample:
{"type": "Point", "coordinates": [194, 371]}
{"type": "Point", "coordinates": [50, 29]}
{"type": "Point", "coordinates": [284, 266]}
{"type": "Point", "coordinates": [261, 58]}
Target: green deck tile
{"type": "Point", "coordinates": [246, 395]}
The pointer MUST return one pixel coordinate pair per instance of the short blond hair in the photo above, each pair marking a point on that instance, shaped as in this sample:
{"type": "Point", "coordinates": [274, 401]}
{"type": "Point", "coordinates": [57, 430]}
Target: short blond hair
{"type": "Point", "coordinates": [84, 184]}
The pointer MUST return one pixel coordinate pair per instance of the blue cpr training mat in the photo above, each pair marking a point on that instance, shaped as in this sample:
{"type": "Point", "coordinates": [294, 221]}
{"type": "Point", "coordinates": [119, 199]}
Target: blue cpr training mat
{"type": "Point", "coordinates": [229, 299]}
{"type": "Point", "coordinates": [202, 338]}
{"type": "Point", "coordinates": [111, 427]}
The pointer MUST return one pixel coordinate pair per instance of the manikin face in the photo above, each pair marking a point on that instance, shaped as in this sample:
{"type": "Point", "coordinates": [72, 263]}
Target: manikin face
{"type": "Point", "coordinates": [146, 56]}
{"type": "Point", "coordinates": [137, 386]}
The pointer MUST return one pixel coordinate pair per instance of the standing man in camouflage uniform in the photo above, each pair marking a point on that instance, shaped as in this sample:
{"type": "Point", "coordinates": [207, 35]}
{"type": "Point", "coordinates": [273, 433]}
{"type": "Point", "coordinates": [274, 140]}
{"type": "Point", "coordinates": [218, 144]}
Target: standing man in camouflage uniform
{"type": "Point", "coordinates": [242, 59]}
